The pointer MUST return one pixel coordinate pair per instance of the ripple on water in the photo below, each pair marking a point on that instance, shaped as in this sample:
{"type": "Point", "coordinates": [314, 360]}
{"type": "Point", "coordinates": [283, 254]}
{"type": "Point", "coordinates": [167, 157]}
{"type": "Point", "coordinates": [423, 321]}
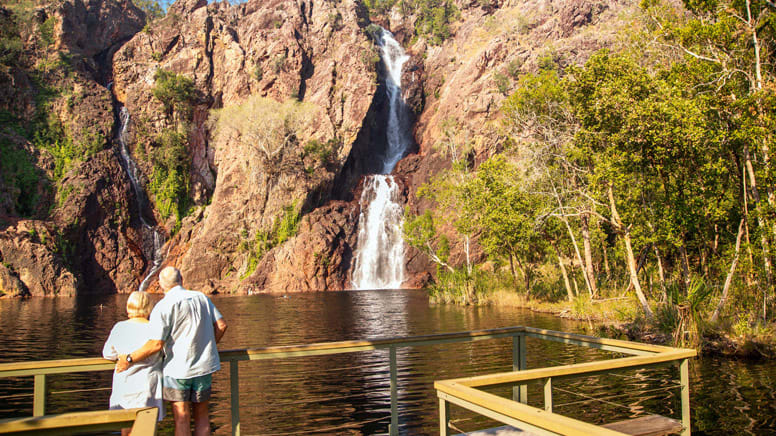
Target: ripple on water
{"type": "Point", "coordinates": [350, 393]}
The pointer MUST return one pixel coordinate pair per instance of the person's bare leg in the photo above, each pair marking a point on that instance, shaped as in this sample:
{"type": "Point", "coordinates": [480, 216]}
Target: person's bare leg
{"type": "Point", "coordinates": [181, 413]}
{"type": "Point", "coordinates": [201, 418]}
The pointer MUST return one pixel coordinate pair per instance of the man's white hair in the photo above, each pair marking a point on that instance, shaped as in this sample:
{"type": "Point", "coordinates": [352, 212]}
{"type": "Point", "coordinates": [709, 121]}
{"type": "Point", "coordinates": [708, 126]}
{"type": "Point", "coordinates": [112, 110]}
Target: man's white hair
{"type": "Point", "coordinates": [169, 278]}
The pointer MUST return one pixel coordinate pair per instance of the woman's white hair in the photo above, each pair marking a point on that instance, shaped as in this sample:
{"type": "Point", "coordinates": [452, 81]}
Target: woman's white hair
{"type": "Point", "coordinates": [139, 305]}
{"type": "Point", "coordinates": [169, 278]}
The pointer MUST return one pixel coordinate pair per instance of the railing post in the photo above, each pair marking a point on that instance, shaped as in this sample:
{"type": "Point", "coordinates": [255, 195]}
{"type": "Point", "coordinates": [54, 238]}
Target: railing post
{"type": "Point", "coordinates": [548, 394]}
{"type": "Point", "coordinates": [234, 384]}
{"type": "Point", "coordinates": [39, 395]}
{"type": "Point", "coordinates": [520, 392]}
{"type": "Point", "coordinates": [444, 415]}
{"type": "Point", "coordinates": [393, 429]}
{"type": "Point", "coordinates": [684, 381]}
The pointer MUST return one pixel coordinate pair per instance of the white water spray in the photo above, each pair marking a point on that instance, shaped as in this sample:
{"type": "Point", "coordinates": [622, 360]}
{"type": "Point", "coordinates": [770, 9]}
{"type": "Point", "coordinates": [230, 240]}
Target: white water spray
{"type": "Point", "coordinates": [379, 259]}
{"type": "Point", "coordinates": [151, 235]}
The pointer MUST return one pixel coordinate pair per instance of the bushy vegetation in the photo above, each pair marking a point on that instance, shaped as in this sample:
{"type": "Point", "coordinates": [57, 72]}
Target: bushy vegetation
{"type": "Point", "coordinates": [176, 92]}
{"type": "Point", "coordinates": [285, 227]}
{"type": "Point", "coordinates": [153, 9]}
{"type": "Point", "coordinates": [169, 180]}
{"type": "Point", "coordinates": [434, 17]}
{"type": "Point", "coordinates": [19, 176]}
{"type": "Point", "coordinates": [643, 173]}
{"type": "Point", "coordinates": [265, 125]}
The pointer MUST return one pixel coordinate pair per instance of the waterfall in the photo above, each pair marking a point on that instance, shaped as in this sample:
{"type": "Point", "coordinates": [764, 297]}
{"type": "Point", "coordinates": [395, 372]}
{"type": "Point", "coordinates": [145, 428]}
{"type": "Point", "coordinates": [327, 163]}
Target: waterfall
{"type": "Point", "coordinates": [379, 258]}
{"type": "Point", "coordinates": [153, 239]}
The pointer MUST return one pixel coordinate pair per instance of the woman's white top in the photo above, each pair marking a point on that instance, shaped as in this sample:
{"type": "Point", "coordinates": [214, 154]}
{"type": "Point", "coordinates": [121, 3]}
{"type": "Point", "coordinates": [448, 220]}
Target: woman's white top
{"type": "Point", "coordinates": [141, 384]}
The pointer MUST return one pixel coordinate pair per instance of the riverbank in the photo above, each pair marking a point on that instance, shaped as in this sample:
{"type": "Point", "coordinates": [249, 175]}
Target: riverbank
{"type": "Point", "coordinates": [620, 318]}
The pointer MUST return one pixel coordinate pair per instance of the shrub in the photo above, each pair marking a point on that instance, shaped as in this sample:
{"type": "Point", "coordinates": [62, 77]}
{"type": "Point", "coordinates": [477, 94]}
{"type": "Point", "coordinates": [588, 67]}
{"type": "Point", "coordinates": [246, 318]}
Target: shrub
{"type": "Point", "coordinates": [513, 68]}
{"type": "Point", "coordinates": [286, 226]}
{"type": "Point", "coordinates": [280, 63]}
{"type": "Point", "coordinates": [169, 182]}
{"type": "Point", "coordinates": [20, 176]}
{"type": "Point", "coordinates": [175, 91]}
{"type": "Point", "coordinates": [502, 82]}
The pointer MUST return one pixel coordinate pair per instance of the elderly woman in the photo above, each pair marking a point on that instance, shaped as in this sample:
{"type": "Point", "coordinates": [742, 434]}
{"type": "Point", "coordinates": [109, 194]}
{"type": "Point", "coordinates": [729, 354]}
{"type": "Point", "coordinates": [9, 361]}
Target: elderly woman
{"type": "Point", "coordinates": [141, 385]}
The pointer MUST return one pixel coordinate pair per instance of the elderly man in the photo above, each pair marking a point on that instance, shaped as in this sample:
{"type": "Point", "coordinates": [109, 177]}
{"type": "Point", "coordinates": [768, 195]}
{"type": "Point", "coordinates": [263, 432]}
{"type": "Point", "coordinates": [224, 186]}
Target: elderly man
{"type": "Point", "coordinates": [188, 326]}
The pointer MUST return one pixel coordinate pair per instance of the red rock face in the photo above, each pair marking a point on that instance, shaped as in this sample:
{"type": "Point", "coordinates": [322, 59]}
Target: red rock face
{"type": "Point", "coordinates": [458, 79]}
{"type": "Point", "coordinates": [315, 51]}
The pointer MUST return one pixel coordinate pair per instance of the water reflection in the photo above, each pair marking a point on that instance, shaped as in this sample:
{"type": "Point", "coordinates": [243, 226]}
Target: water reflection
{"type": "Point", "coordinates": [349, 393]}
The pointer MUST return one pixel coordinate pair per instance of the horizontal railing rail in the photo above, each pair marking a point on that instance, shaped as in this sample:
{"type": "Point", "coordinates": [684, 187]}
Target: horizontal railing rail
{"type": "Point", "coordinates": [466, 392]}
{"type": "Point", "coordinates": [41, 369]}
{"type": "Point", "coordinates": [142, 420]}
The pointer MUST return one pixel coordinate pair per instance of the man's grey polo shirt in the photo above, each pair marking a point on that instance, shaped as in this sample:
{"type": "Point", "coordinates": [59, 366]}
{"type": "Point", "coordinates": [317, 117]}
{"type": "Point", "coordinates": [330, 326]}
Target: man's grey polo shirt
{"type": "Point", "coordinates": [184, 320]}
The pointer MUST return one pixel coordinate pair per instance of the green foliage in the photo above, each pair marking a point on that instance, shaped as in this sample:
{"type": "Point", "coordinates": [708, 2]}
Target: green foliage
{"type": "Point", "coordinates": [175, 91]}
{"type": "Point", "coordinates": [434, 18]}
{"type": "Point", "coordinates": [152, 9]}
{"type": "Point", "coordinates": [513, 68]}
{"type": "Point", "coordinates": [549, 61]}
{"type": "Point", "coordinates": [323, 152]}
{"type": "Point", "coordinates": [286, 227]}
{"type": "Point", "coordinates": [502, 82]}
{"type": "Point", "coordinates": [169, 180]}
{"type": "Point", "coordinates": [379, 7]}
{"type": "Point", "coordinates": [459, 287]}
{"type": "Point", "coordinates": [258, 72]}
{"type": "Point", "coordinates": [46, 31]}
{"type": "Point", "coordinates": [11, 46]}
{"type": "Point", "coordinates": [20, 177]}
{"type": "Point", "coordinates": [334, 19]}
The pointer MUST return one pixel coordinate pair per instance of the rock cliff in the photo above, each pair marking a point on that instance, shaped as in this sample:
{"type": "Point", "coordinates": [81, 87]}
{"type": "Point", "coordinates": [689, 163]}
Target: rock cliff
{"type": "Point", "coordinates": [254, 212]}
{"type": "Point", "coordinates": [313, 52]}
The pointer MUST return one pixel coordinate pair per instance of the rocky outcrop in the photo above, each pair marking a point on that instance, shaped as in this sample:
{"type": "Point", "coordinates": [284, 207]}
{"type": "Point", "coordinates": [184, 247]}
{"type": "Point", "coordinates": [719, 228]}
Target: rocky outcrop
{"type": "Point", "coordinates": [32, 263]}
{"type": "Point", "coordinates": [315, 52]}
{"type": "Point", "coordinates": [90, 27]}
{"type": "Point", "coordinates": [82, 239]}
{"type": "Point", "coordinates": [99, 221]}
{"type": "Point", "coordinates": [315, 260]}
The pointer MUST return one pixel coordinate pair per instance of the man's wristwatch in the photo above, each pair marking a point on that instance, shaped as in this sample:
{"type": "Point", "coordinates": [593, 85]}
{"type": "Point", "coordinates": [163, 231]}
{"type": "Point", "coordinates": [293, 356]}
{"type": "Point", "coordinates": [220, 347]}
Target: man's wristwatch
{"type": "Point", "coordinates": [129, 358]}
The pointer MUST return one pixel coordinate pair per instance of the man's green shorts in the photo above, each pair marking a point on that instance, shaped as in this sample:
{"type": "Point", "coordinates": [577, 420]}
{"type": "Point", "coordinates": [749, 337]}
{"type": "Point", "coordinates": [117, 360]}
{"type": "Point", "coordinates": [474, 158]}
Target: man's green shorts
{"type": "Point", "coordinates": [195, 390]}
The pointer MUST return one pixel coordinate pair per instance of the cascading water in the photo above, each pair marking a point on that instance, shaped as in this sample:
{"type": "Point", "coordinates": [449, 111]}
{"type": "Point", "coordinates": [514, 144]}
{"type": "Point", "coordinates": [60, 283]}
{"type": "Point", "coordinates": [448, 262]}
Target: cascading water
{"type": "Point", "coordinates": [379, 259]}
{"type": "Point", "coordinates": [152, 237]}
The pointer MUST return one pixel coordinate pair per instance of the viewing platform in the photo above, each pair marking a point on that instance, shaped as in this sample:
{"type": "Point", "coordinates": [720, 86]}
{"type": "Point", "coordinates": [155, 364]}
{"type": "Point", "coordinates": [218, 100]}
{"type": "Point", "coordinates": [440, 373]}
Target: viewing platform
{"type": "Point", "coordinates": [471, 393]}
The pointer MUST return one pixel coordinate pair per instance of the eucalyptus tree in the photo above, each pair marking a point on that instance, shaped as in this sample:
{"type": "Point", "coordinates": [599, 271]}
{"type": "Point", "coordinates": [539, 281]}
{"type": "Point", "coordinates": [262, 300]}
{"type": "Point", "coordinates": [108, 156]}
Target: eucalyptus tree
{"type": "Point", "coordinates": [729, 49]}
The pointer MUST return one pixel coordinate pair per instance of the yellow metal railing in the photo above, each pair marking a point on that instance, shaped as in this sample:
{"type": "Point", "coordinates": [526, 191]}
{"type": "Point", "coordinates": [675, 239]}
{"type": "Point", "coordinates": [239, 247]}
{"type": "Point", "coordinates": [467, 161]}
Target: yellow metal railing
{"type": "Point", "coordinates": [142, 420]}
{"type": "Point", "coordinates": [41, 369]}
{"type": "Point", "coordinates": [468, 393]}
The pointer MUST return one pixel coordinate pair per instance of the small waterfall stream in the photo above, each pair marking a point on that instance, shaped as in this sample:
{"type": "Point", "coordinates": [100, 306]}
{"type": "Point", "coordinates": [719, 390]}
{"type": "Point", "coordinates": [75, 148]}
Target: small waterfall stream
{"type": "Point", "coordinates": [153, 239]}
{"type": "Point", "coordinates": [379, 257]}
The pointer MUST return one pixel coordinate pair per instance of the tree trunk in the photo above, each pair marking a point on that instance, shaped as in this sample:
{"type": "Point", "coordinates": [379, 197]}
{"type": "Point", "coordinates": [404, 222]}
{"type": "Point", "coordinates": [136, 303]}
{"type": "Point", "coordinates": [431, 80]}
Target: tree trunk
{"type": "Point", "coordinates": [606, 262]}
{"type": "Point", "coordinates": [512, 269]}
{"type": "Point", "coordinates": [661, 273]}
{"type": "Point", "coordinates": [573, 240]}
{"type": "Point", "coordinates": [760, 221]}
{"type": "Point", "coordinates": [729, 278]}
{"type": "Point", "coordinates": [685, 268]}
{"type": "Point", "coordinates": [634, 277]}
{"type": "Point", "coordinates": [563, 271]}
{"type": "Point", "coordinates": [565, 278]}
{"type": "Point", "coordinates": [588, 255]}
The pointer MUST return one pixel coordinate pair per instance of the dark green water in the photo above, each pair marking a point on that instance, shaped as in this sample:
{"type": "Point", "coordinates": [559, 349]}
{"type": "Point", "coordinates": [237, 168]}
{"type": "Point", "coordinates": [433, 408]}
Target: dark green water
{"type": "Point", "coordinates": [349, 393]}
